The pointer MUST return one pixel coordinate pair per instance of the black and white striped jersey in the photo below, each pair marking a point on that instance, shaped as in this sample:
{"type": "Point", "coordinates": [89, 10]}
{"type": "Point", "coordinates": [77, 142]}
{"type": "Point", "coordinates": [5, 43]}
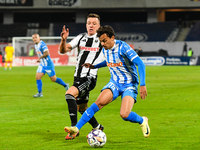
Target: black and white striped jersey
{"type": "Point", "coordinates": [89, 51]}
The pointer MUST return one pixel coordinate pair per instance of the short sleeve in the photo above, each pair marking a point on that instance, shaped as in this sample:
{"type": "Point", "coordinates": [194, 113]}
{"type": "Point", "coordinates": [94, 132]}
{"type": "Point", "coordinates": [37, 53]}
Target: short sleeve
{"type": "Point", "coordinates": [129, 52]}
{"type": "Point", "coordinates": [74, 42]}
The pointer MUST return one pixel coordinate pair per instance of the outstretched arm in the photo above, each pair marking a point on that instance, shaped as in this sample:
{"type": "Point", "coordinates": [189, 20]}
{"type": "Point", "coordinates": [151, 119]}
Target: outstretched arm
{"type": "Point", "coordinates": [142, 73]}
{"type": "Point", "coordinates": [64, 47]}
{"type": "Point", "coordinates": [102, 64]}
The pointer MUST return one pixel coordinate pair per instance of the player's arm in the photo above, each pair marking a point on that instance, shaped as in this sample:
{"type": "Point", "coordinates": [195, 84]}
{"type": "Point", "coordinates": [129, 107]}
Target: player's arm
{"type": "Point", "coordinates": [45, 54]}
{"type": "Point", "coordinates": [64, 47]}
{"type": "Point", "coordinates": [132, 56]}
{"type": "Point", "coordinates": [142, 73]}
{"type": "Point", "coordinates": [100, 65]}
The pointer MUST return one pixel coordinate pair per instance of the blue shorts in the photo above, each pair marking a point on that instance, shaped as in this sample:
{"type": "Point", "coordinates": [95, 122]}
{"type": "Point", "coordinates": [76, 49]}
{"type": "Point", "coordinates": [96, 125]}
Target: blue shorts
{"type": "Point", "coordinates": [122, 89]}
{"type": "Point", "coordinates": [50, 70]}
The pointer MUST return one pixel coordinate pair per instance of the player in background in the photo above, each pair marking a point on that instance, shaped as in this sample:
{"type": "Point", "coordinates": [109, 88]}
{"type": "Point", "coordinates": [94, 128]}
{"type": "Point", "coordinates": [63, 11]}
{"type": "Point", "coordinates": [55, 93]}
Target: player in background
{"type": "Point", "coordinates": [9, 54]}
{"type": "Point", "coordinates": [122, 61]}
{"type": "Point", "coordinates": [46, 65]}
{"type": "Point", "coordinates": [89, 50]}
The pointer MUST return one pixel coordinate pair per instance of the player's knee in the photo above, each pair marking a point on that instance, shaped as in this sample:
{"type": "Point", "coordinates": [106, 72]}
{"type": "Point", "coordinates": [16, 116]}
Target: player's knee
{"type": "Point", "coordinates": [100, 104]}
{"type": "Point", "coordinates": [69, 97]}
{"type": "Point", "coordinates": [124, 115]}
{"type": "Point", "coordinates": [53, 79]}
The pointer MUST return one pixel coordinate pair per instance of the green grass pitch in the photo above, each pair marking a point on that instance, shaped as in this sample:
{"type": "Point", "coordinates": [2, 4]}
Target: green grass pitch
{"type": "Point", "coordinates": [172, 106]}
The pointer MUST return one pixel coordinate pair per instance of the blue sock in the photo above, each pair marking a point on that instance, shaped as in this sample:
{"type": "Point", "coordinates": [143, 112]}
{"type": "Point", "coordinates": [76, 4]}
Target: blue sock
{"type": "Point", "coordinates": [87, 115]}
{"type": "Point", "coordinates": [39, 85]}
{"type": "Point", "coordinates": [133, 117]}
{"type": "Point", "coordinates": [60, 81]}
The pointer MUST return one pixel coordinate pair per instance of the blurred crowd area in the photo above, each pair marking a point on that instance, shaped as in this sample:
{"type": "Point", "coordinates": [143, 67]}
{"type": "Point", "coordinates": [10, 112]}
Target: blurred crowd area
{"type": "Point", "coordinates": [133, 22]}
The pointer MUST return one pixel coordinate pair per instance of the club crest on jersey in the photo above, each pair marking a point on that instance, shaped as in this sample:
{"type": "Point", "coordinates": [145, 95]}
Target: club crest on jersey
{"type": "Point", "coordinates": [114, 64]}
{"type": "Point", "coordinates": [93, 49]}
{"type": "Point", "coordinates": [116, 56]}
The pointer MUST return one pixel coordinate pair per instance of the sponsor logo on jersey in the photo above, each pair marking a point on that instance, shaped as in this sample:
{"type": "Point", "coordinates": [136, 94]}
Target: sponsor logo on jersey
{"type": "Point", "coordinates": [93, 49]}
{"type": "Point", "coordinates": [116, 56]}
{"type": "Point", "coordinates": [114, 64]}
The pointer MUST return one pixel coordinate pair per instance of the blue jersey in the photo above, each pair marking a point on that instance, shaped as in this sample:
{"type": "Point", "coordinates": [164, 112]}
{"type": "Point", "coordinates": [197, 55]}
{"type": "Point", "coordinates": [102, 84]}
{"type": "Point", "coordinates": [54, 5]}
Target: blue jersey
{"type": "Point", "coordinates": [40, 48]}
{"type": "Point", "coordinates": [119, 60]}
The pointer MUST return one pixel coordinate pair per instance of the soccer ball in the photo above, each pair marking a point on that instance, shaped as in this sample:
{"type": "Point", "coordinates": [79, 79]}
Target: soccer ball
{"type": "Point", "coordinates": [96, 138]}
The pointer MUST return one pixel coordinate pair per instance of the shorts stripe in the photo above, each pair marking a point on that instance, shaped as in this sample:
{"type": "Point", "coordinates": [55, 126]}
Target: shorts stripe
{"type": "Point", "coordinates": [84, 85]}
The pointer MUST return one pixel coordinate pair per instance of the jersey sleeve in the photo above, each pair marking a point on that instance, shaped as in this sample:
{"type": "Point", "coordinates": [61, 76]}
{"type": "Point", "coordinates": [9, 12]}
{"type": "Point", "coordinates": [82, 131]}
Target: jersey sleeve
{"type": "Point", "coordinates": [129, 52]}
{"type": "Point", "coordinates": [74, 42]}
{"type": "Point", "coordinates": [44, 47]}
{"type": "Point", "coordinates": [135, 59]}
{"type": "Point", "coordinates": [100, 65]}
{"type": "Point", "coordinates": [141, 70]}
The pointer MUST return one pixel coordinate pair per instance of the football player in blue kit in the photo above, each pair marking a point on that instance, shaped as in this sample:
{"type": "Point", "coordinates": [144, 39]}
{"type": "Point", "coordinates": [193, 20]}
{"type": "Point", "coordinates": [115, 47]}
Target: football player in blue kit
{"type": "Point", "coordinates": [122, 61]}
{"type": "Point", "coordinates": [46, 65]}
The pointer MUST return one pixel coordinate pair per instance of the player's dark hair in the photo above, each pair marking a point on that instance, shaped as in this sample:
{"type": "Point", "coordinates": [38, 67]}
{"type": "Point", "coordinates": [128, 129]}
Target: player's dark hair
{"type": "Point", "coordinates": [92, 15]}
{"type": "Point", "coordinates": [108, 30]}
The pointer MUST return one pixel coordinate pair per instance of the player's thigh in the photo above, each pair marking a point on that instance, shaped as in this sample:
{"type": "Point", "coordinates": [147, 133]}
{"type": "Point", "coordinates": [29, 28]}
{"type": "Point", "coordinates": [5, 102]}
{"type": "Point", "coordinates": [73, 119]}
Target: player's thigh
{"type": "Point", "coordinates": [126, 106]}
{"type": "Point", "coordinates": [11, 59]}
{"type": "Point", "coordinates": [39, 75]}
{"type": "Point", "coordinates": [7, 59]}
{"type": "Point", "coordinates": [84, 85]}
{"type": "Point", "coordinates": [83, 99]}
{"type": "Point", "coordinates": [53, 78]}
{"type": "Point", "coordinates": [51, 72]}
{"type": "Point", "coordinates": [40, 69]}
{"type": "Point", "coordinates": [40, 72]}
{"type": "Point", "coordinates": [73, 91]}
{"type": "Point", "coordinates": [105, 97]}
{"type": "Point", "coordinates": [130, 91]}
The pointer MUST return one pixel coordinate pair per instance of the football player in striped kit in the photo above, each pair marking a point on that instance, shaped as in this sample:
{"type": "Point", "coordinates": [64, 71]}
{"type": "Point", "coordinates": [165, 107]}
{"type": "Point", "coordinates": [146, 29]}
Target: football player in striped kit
{"type": "Point", "coordinates": [90, 51]}
{"type": "Point", "coordinates": [122, 61]}
{"type": "Point", "coordinates": [46, 65]}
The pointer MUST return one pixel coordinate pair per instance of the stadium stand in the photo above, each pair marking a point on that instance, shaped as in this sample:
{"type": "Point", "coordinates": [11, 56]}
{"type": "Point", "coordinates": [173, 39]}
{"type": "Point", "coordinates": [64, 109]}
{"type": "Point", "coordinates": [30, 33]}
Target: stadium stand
{"type": "Point", "coordinates": [154, 31]}
{"type": "Point", "coordinates": [10, 30]}
{"type": "Point", "coordinates": [74, 28]}
{"type": "Point", "coordinates": [194, 34]}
